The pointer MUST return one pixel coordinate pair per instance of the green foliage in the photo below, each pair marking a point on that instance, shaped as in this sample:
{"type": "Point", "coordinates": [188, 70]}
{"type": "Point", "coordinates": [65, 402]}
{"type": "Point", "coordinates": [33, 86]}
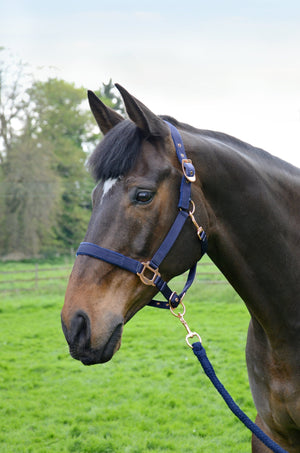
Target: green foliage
{"type": "Point", "coordinates": [153, 395]}
{"type": "Point", "coordinates": [60, 119]}
{"type": "Point", "coordinates": [14, 102]}
{"type": "Point", "coordinates": [46, 134]}
{"type": "Point", "coordinates": [29, 185]}
{"type": "Point", "coordinates": [107, 93]}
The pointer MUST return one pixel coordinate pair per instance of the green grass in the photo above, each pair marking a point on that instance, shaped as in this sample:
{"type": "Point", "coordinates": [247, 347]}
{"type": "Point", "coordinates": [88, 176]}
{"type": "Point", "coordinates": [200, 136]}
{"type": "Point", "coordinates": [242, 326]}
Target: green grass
{"type": "Point", "coordinates": [152, 397]}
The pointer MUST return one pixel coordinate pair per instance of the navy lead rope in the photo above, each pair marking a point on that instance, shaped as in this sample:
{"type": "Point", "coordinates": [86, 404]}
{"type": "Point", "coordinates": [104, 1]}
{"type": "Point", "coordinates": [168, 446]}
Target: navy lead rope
{"type": "Point", "coordinates": [200, 353]}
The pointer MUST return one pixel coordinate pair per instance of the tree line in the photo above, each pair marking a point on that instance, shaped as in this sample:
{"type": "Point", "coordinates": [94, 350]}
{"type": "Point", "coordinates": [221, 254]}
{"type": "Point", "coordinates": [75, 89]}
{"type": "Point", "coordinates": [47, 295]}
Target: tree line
{"type": "Point", "coordinates": [46, 135]}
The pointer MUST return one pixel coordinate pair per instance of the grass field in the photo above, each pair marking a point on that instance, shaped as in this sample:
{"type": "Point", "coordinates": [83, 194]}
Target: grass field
{"type": "Point", "coordinates": [153, 395]}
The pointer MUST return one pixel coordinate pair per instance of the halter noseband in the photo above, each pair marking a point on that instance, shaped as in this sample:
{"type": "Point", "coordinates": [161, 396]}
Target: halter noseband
{"type": "Point", "coordinates": [148, 271]}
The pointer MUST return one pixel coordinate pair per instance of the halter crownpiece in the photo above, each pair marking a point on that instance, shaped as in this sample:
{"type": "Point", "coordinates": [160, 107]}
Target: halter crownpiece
{"type": "Point", "coordinates": [148, 272]}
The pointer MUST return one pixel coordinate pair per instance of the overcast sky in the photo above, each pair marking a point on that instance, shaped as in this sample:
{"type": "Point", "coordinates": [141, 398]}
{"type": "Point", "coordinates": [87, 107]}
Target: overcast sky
{"type": "Point", "coordinates": [232, 66]}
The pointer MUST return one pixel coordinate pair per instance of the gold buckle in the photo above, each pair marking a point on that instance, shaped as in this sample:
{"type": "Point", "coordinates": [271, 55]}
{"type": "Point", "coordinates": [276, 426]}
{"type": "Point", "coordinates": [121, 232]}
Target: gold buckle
{"type": "Point", "coordinates": [148, 280]}
{"type": "Point", "coordinates": [190, 178]}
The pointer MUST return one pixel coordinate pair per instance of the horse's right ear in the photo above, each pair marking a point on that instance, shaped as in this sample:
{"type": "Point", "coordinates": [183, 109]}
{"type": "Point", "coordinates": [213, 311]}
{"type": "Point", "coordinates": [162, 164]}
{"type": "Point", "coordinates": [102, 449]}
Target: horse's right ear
{"type": "Point", "coordinates": [151, 124]}
{"type": "Point", "coordinates": [106, 117]}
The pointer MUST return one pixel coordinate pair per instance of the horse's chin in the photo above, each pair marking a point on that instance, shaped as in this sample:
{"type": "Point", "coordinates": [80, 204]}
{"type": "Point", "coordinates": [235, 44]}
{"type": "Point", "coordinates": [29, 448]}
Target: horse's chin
{"type": "Point", "coordinates": [93, 356]}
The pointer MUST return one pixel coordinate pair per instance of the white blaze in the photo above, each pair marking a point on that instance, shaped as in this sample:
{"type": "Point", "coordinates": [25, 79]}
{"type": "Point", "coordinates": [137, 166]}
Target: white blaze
{"type": "Point", "coordinates": [109, 183]}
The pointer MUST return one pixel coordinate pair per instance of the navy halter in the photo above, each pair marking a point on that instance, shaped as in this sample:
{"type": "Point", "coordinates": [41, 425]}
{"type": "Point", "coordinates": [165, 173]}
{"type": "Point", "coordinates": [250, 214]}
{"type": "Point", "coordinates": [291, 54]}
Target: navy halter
{"type": "Point", "coordinates": [148, 271]}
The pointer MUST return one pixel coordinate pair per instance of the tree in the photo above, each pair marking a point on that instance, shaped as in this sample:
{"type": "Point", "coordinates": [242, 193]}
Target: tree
{"type": "Point", "coordinates": [107, 93]}
{"type": "Point", "coordinates": [46, 133]}
{"type": "Point", "coordinates": [14, 100]}
{"type": "Point", "coordinates": [28, 190]}
{"type": "Point", "coordinates": [31, 192]}
{"type": "Point", "coordinates": [60, 119]}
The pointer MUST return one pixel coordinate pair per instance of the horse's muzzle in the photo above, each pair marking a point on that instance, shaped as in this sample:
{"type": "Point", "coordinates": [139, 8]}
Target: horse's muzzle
{"type": "Point", "coordinates": [79, 339]}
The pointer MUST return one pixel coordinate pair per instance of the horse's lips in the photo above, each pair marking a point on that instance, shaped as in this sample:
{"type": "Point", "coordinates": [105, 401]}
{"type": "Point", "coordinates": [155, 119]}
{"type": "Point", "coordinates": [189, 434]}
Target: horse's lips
{"type": "Point", "coordinates": [113, 344]}
{"type": "Point", "coordinates": [95, 356]}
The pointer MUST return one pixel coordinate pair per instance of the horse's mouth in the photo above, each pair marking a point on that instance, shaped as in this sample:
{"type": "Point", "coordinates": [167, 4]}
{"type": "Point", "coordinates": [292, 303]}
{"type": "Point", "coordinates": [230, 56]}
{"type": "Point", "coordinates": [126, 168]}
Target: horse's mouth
{"type": "Point", "coordinates": [93, 356]}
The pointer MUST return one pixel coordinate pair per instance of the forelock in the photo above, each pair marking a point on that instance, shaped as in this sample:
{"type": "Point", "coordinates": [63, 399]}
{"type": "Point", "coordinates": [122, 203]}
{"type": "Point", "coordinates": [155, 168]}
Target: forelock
{"type": "Point", "coordinates": [116, 154]}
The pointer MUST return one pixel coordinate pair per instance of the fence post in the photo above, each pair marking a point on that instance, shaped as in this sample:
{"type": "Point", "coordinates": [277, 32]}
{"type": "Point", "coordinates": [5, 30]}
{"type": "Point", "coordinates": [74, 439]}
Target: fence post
{"type": "Point", "coordinates": [36, 279]}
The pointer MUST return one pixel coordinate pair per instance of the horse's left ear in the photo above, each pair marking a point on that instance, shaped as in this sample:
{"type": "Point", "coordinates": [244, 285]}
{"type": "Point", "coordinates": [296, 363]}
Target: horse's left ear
{"type": "Point", "coordinates": [106, 117]}
{"type": "Point", "coordinates": [151, 124]}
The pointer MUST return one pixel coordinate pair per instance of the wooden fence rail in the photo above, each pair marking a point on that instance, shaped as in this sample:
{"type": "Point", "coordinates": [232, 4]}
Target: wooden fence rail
{"type": "Point", "coordinates": [30, 279]}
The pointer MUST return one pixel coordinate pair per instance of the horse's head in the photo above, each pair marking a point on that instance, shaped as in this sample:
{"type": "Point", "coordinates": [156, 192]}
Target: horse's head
{"type": "Point", "coordinates": [134, 205]}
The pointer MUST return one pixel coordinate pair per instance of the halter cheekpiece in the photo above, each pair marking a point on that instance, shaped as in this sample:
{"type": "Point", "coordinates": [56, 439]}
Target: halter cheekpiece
{"type": "Point", "coordinates": [148, 271]}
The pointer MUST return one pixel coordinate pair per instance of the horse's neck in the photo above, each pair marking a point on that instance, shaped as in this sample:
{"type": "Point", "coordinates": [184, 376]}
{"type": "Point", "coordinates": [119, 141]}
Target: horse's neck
{"type": "Point", "coordinates": [254, 238]}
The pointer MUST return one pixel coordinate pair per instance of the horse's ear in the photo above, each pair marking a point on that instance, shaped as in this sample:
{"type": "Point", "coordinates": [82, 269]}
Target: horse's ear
{"type": "Point", "coordinates": [106, 117]}
{"type": "Point", "coordinates": [151, 124]}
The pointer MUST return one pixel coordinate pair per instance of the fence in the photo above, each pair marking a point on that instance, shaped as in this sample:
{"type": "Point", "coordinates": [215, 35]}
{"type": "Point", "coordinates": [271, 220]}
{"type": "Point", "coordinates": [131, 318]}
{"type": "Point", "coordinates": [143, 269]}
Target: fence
{"type": "Point", "coordinates": [39, 277]}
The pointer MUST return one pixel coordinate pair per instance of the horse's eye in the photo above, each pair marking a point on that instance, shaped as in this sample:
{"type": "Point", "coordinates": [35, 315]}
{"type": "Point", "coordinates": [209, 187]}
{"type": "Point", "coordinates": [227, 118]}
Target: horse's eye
{"type": "Point", "coordinates": [144, 196]}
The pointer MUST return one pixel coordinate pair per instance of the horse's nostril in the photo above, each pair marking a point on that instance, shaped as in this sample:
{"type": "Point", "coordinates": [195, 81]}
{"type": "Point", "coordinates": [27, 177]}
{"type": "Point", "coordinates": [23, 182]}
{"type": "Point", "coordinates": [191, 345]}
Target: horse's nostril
{"type": "Point", "coordinates": [80, 332]}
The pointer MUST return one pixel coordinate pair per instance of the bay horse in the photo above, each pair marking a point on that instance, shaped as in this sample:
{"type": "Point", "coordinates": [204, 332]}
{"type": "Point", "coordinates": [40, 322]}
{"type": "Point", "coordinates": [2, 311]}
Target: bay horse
{"type": "Point", "coordinates": [246, 200]}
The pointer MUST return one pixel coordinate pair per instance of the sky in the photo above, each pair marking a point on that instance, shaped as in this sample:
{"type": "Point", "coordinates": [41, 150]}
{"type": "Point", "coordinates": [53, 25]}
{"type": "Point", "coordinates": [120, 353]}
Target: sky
{"type": "Point", "coordinates": [231, 66]}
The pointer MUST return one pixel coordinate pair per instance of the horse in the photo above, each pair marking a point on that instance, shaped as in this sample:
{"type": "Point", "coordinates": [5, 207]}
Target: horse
{"type": "Point", "coordinates": [246, 200]}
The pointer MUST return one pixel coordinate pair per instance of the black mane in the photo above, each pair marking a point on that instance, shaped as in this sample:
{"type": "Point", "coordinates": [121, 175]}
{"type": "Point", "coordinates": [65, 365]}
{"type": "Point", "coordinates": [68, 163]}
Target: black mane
{"type": "Point", "coordinates": [117, 152]}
